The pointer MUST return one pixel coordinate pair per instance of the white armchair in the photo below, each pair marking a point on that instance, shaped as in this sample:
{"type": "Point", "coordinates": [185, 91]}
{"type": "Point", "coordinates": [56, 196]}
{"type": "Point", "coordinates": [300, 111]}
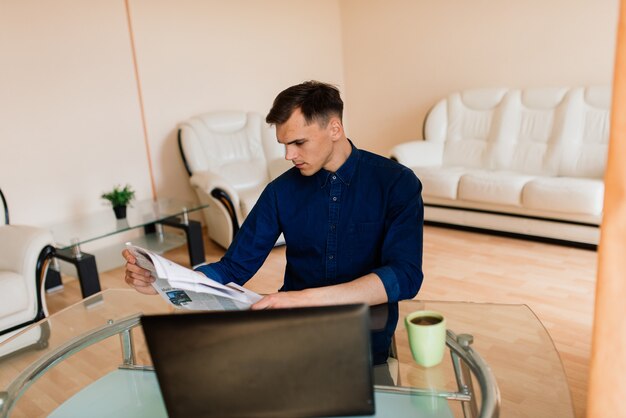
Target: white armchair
{"type": "Point", "coordinates": [230, 158]}
{"type": "Point", "coordinates": [25, 252]}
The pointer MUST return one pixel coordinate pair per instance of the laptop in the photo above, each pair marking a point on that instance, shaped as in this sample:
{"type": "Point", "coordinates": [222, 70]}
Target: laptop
{"type": "Point", "coordinates": [273, 363]}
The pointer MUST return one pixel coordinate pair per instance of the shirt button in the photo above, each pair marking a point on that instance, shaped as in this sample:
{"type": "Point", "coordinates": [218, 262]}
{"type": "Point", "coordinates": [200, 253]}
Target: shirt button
{"type": "Point", "coordinates": [334, 177]}
{"type": "Point", "coordinates": [332, 227]}
{"type": "Point", "coordinates": [334, 198]}
{"type": "Point", "coordinates": [330, 257]}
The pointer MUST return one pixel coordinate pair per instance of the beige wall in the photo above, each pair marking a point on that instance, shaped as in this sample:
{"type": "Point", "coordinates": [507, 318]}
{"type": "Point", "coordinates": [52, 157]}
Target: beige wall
{"type": "Point", "coordinates": [69, 119]}
{"type": "Point", "coordinates": [70, 125]}
{"type": "Point", "coordinates": [197, 56]}
{"type": "Point", "coordinates": [400, 56]}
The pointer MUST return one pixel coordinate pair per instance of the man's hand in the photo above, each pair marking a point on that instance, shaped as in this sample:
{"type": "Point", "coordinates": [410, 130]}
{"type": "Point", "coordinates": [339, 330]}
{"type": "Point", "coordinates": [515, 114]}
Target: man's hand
{"type": "Point", "coordinates": [367, 289]}
{"type": "Point", "coordinates": [285, 300]}
{"type": "Point", "coordinates": [136, 277]}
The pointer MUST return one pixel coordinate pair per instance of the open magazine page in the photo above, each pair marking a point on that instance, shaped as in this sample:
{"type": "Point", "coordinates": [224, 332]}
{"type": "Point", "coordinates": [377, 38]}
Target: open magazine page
{"type": "Point", "coordinates": [188, 289]}
{"type": "Point", "coordinates": [195, 301]}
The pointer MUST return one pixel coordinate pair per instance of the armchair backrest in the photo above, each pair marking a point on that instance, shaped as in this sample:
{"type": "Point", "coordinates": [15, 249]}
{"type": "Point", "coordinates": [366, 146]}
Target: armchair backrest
{"type": "Point", "coordinates": [229, 143]}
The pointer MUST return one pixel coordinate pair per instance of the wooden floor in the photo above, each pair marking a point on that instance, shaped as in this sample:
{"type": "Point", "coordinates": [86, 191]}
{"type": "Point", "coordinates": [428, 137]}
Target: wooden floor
{"type": "Point", "coordinates": [557, 283]}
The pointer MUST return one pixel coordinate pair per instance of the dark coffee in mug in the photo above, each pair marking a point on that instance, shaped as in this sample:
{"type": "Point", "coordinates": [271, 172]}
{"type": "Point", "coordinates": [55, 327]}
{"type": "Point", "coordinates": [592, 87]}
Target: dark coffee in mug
{"type": "Point", "coordinates": [426, 320]}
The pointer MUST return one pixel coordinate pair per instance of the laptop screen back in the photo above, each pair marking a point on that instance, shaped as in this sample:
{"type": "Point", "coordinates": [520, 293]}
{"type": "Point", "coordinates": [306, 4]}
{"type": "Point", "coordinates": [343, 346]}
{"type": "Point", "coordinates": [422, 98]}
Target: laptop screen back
{"type": "Point", "coordinates": [272, 363]}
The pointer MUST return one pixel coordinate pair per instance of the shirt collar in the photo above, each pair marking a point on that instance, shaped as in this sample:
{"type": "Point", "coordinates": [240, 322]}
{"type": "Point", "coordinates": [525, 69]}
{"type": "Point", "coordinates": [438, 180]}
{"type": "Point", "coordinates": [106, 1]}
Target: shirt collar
{"type": "Point", "coordinates": [345, 172]}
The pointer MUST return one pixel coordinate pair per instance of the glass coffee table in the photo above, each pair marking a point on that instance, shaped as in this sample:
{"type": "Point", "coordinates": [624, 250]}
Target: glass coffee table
{"type": "Point", "coordinates": [147, 214]}
{"type": "Point", "coordinates": [90, 360]}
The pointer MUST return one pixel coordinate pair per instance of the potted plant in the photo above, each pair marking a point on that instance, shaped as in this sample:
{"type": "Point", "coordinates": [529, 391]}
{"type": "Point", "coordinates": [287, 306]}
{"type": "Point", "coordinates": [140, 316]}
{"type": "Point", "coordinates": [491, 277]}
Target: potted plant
{"type": "Point", "coordinates": [120, 198]}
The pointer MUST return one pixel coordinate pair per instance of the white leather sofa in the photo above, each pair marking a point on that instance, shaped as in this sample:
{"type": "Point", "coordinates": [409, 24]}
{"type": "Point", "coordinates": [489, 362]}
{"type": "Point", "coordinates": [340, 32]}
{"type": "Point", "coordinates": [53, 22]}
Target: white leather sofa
{"type": "Point", "coordinates": [24, 254]}
{"type": "Point", "coordinates": [524, 162]}
{"type": "Point", "coordinates": [230, 156]}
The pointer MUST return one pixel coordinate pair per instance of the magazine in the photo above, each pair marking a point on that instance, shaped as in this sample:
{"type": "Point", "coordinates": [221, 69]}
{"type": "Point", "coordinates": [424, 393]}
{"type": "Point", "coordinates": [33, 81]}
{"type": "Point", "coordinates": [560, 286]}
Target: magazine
{"type": "Point", "coordinates": [188, 289]}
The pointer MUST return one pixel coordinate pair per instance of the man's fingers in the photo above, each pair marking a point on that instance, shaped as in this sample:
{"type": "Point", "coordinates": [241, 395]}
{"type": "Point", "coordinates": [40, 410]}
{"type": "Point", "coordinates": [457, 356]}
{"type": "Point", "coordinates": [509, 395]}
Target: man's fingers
{"type": "Point", "coordinates": [138, 278]}
{"type": "Point", "coordinates": [290, 299]}
{"type": "Point", "coordinates": [146, 290]}
{"type": "Point", "coordinates": [133, 268]}
{"type": "Point", "coordinates": [140, 284]}
{"type": "Point", "coordinates": [258, 306]}
{"type": "Point", "coordinates": [129, 256]}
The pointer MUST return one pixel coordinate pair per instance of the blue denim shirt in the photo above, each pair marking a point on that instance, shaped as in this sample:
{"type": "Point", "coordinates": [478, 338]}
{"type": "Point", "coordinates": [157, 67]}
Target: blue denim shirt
{"type": "Point", "coordinates": [365, 218]}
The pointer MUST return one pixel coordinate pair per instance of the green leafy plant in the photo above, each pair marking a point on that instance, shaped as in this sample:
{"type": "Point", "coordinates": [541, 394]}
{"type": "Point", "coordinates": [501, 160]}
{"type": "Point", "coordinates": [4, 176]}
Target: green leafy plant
{"type": "Point", "coordinates": [119, 196]}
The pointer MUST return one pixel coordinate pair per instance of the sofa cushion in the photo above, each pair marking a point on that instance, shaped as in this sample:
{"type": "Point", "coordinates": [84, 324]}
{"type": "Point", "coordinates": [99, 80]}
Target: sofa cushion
{"type": "Point", "coordinates": [14, 293]}
{"type": "Point", "coordinates": [500, 187]}
{"type": "Point", "coordinates": [564, 194]}
{"type": "Point", "coordinates": [470, 126]}
{"type": "Point", "coordinates": [584, 153]}
{"type": "Point", "coordinates": [439, 181]}
{"type": "Point", "coordinates": [532, 127]}
{"type": "Point", "coordinates": [245, 175]}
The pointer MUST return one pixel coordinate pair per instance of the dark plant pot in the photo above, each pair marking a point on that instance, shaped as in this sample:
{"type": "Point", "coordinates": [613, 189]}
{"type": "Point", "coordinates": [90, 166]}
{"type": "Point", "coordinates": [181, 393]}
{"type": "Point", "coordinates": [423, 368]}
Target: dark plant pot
{"type": "Point", "coordinates": [120, 212]}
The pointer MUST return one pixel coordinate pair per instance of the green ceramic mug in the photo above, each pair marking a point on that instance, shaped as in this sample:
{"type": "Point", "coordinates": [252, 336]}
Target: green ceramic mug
{"type": "Point", "coordinates": [427, 336]}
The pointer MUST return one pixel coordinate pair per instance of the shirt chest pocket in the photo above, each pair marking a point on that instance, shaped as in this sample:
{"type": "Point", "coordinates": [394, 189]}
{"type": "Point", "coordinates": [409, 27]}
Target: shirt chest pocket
{"type": "Point", "coordinates": [365, 241]}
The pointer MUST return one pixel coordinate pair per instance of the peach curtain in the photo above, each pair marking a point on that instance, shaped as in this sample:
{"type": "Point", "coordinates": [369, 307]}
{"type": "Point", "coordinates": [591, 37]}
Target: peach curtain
{"type": "Point", "coordinates": [607, 383]}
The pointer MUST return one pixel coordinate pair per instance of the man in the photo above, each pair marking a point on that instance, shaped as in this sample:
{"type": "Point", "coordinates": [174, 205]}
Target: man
{"type": "Point", "coordinates": [352, 220]}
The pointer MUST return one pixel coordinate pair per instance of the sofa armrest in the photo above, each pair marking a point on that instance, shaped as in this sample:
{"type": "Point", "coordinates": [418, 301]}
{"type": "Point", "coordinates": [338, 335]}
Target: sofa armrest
{"type": "Point", "coordinates": [20, 246]}
{"type": "Point", "coordinates": [418, 153]}
{"type": "Point", "coordinates": [208, 181]}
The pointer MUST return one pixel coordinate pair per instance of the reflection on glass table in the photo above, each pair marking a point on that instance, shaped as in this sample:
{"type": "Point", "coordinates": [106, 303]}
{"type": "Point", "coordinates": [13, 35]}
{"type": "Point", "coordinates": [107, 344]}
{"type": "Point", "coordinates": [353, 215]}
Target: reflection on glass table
{"type": "Point", "coordinates": [510, 339]}
{"type": "Point", "coordinates": [147, 214]}
{"type": "Point", "coordinates": [101, 224]}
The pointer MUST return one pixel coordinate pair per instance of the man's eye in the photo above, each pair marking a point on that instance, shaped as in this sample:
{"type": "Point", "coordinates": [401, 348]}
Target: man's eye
{"type": "Point", "coordinates": [299, 142]}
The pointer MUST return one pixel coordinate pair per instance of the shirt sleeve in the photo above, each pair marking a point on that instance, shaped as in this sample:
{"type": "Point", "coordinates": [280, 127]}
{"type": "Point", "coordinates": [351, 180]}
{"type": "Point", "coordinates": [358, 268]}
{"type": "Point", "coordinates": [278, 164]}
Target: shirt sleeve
{"type": "Point", "coordinates": [251, 245]}
{"type": "Point", "coordinates": [401, 255]}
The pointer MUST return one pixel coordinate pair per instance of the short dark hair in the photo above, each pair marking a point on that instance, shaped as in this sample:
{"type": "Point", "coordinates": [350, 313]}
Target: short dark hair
{"type": "Point", "coordinates": [316, 100]}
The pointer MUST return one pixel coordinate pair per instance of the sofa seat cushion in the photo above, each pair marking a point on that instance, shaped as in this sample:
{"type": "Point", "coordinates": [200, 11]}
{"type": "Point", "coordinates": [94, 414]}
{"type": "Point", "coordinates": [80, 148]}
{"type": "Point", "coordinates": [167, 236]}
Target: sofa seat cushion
{"type": "Point", "coordinates": [565, 194]}
{"type": "Point", "coordinates": [244, 175]}
{"type": "Point", "coordinates": [500, 187]}
{"type": "Point", "coordinates": [14, 293]}
{"type": "Point", "coordinates": [439, 181]}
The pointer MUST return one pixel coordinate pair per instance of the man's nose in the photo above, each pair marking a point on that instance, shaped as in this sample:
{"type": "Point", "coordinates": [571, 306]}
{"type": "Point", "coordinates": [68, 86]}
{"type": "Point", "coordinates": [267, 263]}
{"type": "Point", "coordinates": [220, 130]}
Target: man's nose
{"type": "Point", "coordinates": [290, 153]}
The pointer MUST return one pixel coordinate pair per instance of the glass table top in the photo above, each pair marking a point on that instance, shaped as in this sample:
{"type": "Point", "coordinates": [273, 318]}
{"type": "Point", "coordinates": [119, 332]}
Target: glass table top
{"type": "Point", "coordinates": [103, 223]}
{"type": "Point", "coordinates": [509, 338]}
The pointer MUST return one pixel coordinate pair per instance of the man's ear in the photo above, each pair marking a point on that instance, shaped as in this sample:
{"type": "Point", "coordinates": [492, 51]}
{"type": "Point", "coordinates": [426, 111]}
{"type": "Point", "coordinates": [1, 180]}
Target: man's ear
{"type": "Point", "coordinates": [335, 128]}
